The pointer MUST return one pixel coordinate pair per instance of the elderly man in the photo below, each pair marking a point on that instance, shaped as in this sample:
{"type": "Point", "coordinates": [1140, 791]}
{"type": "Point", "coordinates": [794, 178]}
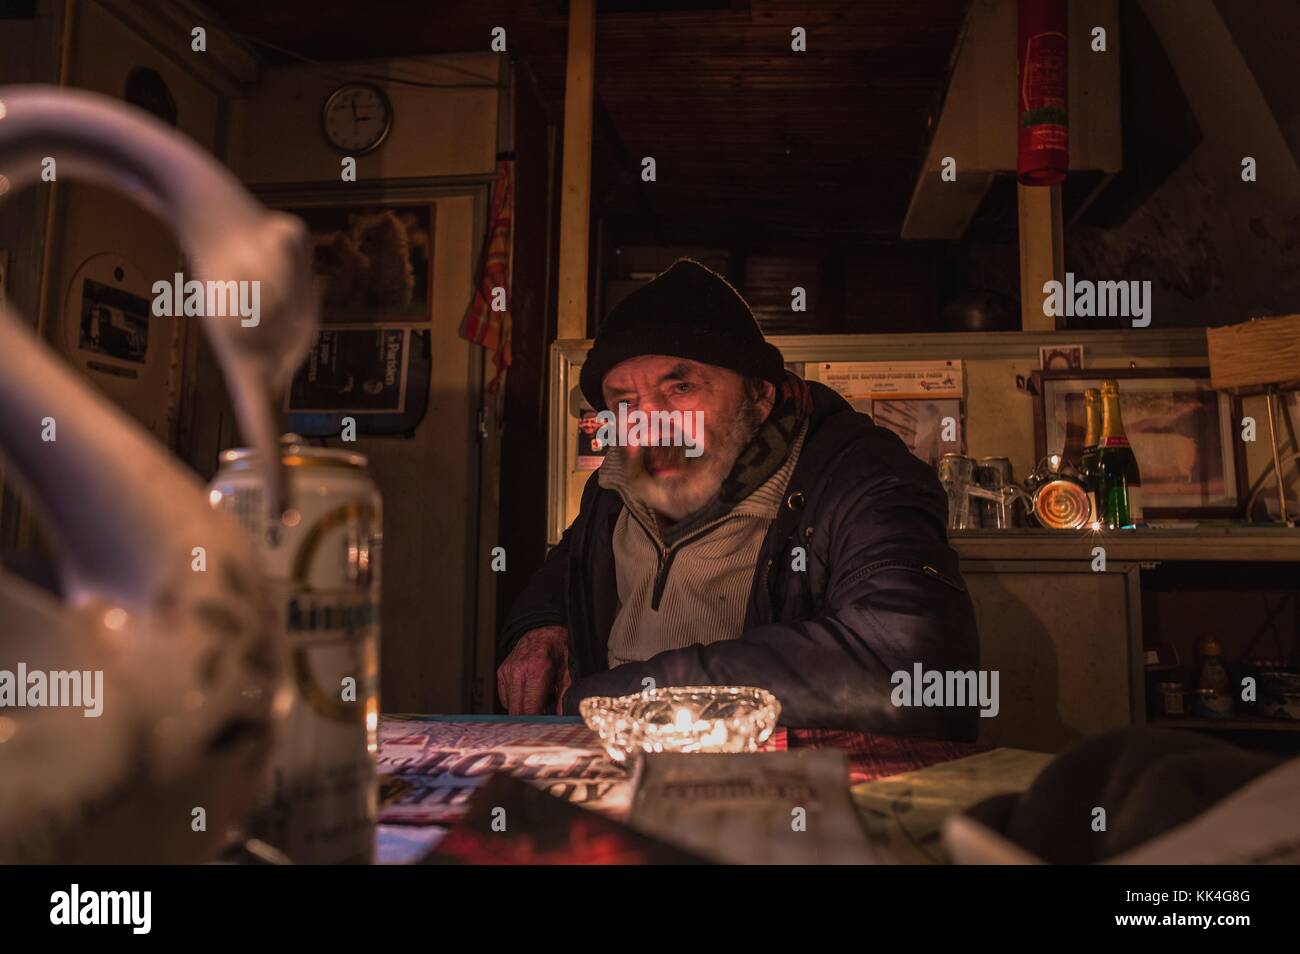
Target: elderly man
{"type": "Point", "coordinates": [794, 546]}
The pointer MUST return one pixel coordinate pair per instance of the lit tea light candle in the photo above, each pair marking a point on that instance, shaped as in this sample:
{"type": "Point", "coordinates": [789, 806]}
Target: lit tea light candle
{"type": "Point", "coordinates": [683, 719]}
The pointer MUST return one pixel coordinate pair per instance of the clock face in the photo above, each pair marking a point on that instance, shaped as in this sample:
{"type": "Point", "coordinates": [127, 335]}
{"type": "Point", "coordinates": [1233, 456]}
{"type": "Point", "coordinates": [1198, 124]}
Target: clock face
{"type": "Point", "coordinates": [356, 118]}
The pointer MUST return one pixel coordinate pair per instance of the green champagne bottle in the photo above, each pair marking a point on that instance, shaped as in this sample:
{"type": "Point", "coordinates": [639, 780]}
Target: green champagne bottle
{"type": "Point", "coordinates": [1092, 437]}
{"type": "Point", "coordinates": [1119, 484]}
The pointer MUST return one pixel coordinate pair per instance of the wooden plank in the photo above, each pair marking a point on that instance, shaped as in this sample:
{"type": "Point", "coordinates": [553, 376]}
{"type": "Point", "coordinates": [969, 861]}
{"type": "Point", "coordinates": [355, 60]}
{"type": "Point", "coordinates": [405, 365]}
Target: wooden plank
{"type": "Point", "coordinates": [1250, 357]}
{"type": "Point", "coordinates": [1042, 252]}
{"type": "Point", "coordinates": [575, 195]}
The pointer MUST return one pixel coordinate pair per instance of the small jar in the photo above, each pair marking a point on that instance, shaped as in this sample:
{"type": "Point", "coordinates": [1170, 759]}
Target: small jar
{"type": "Point", "coordinates": [1171, 699]}
{"type": "Point", "coordinates": [1215, 696]}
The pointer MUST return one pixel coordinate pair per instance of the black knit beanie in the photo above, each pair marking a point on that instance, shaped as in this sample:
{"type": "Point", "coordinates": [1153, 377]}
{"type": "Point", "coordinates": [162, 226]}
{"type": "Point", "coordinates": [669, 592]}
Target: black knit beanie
{"type": "Point", "coordinates": [687, 311]}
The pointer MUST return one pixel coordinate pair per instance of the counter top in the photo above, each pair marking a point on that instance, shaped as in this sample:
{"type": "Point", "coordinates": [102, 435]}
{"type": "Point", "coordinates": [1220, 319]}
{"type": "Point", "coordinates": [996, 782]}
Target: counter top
{"type": "Point", "coordinates": [1214, 542]}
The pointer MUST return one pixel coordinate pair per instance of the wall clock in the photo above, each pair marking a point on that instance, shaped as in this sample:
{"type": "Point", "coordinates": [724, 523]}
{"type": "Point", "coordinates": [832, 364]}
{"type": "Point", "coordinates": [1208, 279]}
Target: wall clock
{"type": "Point", "coordinates": [356, 118]}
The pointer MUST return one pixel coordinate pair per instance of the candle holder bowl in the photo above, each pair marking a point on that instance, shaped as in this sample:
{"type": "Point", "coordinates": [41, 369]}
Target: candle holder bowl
{"type": "Point", "coordinates": [682, 719]}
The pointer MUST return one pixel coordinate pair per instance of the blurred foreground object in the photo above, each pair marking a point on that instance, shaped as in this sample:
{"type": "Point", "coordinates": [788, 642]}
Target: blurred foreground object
{"type": "Point", "coordinates": [322, 559]}
{"type": "Point", "coordinates": [1169, 797]}
{"type": "Point", "coordinates": [167, 622]}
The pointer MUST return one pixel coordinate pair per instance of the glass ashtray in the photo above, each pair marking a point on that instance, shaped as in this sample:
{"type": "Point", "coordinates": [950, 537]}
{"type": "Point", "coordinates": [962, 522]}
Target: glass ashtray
{"type": "Point", "coordinates": [682, 719]}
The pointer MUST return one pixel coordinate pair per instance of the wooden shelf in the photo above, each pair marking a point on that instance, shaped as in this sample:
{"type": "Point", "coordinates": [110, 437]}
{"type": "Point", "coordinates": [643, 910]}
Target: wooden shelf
{"type": "Point", "coordinates": [1243, 722]}
{"type": "Point", "coordinates": [1228, 542]}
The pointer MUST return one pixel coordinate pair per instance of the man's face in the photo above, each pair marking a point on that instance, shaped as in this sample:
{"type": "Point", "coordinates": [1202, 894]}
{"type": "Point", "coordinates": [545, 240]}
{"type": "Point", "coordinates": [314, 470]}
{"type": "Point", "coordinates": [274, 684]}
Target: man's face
{"type": "Point", "coordinates": [666, 478]}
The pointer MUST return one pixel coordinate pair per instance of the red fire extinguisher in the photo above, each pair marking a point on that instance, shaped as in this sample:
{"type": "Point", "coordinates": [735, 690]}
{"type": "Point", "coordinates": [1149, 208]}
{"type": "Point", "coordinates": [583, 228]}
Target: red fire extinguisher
{"type": "Point", "coordinates": [1043, 155]}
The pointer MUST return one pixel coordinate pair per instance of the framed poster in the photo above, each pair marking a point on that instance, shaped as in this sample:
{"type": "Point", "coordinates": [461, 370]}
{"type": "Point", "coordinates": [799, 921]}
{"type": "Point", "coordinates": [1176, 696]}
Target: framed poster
{"type": "Point", "coordinates": [373, 263]}
{"type": "Point", "coordinates": [930, 429]}
{"type": "Point", "coordinates": [920, 401]}
{"type": "Point", "coordinates": [591, 452]}
{"type": "Point", "coordinates": [114, 324]}
{"type": "Point", "coordinates": [1183, 433]}
{"type": "Point", "coordinates": [358, 370]}
{"type": "Point", "coordinates": [1060, 357]}
{"type": "Point", "coordinates": [379, 376]}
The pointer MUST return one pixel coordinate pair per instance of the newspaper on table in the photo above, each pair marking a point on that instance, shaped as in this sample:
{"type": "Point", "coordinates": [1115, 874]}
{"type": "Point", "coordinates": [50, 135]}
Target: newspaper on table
{"type": "Point", "coordinates": [904, 814]}
{"type": "Point", "coordinates": [430, 768]}
{"type": "Point", "coordinates": [789, 807]}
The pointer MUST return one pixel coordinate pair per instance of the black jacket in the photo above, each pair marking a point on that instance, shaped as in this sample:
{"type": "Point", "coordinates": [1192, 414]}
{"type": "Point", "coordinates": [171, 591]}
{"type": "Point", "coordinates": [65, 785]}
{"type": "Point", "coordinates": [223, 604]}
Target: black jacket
{"type": "Point", "coordinates": [881, 592]}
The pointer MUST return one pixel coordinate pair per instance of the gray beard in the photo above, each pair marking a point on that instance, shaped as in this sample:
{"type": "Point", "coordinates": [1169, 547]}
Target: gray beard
{"type": "Point", "coordinates": [674, 499]}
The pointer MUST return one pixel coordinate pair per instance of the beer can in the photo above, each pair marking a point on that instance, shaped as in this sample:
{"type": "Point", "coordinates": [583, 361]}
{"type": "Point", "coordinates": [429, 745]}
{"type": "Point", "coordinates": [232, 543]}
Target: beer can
{"type": "Point", "coordinates": [322, 558]}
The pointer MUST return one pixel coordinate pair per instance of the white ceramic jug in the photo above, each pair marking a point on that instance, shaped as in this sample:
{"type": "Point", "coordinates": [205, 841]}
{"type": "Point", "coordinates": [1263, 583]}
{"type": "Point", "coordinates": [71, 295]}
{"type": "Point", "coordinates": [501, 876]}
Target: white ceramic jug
{"type": "Point", "coordinates": [191, 659]}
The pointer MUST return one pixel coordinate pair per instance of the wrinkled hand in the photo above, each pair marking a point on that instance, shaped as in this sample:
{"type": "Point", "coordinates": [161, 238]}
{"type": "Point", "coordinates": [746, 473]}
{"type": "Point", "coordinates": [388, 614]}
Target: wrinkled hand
{"type": "Point", "coordinates": [535, 676]}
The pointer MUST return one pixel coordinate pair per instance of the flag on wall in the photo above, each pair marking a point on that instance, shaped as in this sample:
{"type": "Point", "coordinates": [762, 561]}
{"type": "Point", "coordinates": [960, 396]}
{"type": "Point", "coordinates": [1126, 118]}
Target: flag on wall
{"type": "Point", "coordinates": [485, 324]}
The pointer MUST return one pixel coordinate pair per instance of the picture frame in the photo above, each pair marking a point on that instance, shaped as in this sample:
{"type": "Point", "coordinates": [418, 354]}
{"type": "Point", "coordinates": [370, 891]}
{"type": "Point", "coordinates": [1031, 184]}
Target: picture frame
{"type": "Point", "coordinates": [373, 261]}
{"type": "Point", "coordinates": [376, 375]}
{"type": "Point", "coordinates": [920, 423]}
{"type": "Point", "coordinates": [1183, 432]}
{"type": "Point", "coordinates": [356, 369]}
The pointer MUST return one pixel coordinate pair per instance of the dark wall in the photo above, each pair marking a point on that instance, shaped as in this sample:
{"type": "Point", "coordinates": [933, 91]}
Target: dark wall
{"type": "Point", "coordinates": [29, 53]}
{"type": "Point", "coordinates": [524, 432]}
{"type": "Point", "coordinates": [849, 289]}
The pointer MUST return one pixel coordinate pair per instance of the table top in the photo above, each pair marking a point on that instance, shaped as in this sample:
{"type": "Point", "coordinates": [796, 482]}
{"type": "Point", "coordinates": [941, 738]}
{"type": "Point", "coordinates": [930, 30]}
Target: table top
{"type": "Point", "coordinates": [870, 756]}
{"type": "Point", "coordinates": [430, 765]}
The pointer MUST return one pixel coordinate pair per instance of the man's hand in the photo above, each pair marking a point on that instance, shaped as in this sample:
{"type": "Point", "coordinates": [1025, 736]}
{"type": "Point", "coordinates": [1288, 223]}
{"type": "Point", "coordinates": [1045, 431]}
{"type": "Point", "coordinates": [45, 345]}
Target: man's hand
{"type": "Point", "coordinates": [535, 675]}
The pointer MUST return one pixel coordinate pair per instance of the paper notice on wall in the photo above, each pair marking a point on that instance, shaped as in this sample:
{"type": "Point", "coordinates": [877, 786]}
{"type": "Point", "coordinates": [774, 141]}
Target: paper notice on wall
{"type": "Point", "coordinates": [893, 379]}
